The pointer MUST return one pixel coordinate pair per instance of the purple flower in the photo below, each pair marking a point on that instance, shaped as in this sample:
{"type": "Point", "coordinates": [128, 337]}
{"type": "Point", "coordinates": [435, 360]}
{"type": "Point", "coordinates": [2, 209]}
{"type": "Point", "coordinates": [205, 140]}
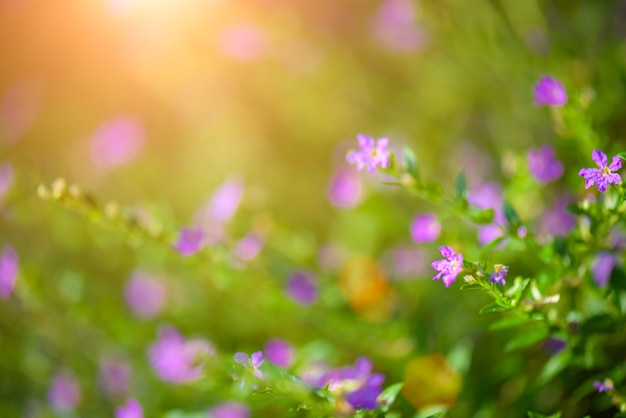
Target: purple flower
{"type": "Point", "coordinates": [489, 233]}
{"type": "Point", "coordinates": [557, 221]}
{"type": "Point", "coordinates": [6, 178]}
{"type": "Point", "coordinates": [190, 241]}
{"type": "Point", "coordinates": [553, 345]}
{"type": "Point", "coordinates": [176, 360]}
{"type": "Point", "coordinates": [254, 362]}
{"type": "Point", "coordinates": [499, 274]}
{"type": "Point", "coordinates": [229, 410]}
{"type": "Point", "coordinates": [132, 409]}
{"type": "Point", "coordinates": [543, 165]}
{"type": "Point", "coordinates": [488, 196]}
{"type": "Point", "coordinates": [345, 189]}
{"type": "Point", "coordinates": [64, 392]}
{"type": "Point", "coordinates": [405, 262]}
{"type": "Point", "coordinates": [360, 385]}
{"type": "Point", "coordinates": [302, 288]}
{"type": "Point", "coordinates": [450, 267]}
{"type": "Point", "coordinates": [372, 154]}
{"type": "Point", "coordinates": [425, 228]}
{"type": "Point", "coordinates": [279, 352]}
{"type": "Point", "coordinates": [9, 267]}
{"type": "Point", "coordinates": [114, 376]}
{"type": "Point", "coordinates": [144, 295]}
{"type": "Point", "coordinates": [605, 386]}
{"type": "Point", "coordinates": [249, 246]}
{"type": "Point", "coordinates": [117, 142]}
{"type": "Point", "coordinates": [602, 267]}
{"type": "Point", "coordinates": [549, 92]}
{"type": "Point", "coordinates": [603, 176]}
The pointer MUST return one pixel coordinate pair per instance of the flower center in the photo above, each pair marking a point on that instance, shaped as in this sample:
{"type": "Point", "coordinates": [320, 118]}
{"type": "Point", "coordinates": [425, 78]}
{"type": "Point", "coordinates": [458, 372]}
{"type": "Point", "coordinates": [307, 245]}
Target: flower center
{"type": "Point", "coordinates": [605, 171]}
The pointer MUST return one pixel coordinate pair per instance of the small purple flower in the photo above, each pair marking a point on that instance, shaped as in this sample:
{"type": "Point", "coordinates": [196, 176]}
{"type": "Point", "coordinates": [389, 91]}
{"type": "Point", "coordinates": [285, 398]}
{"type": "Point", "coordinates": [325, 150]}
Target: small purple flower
{"type": "Point", "coordinates": [394, 26]}
{"type": "Point", "coordinates": [425, 228]}
{"type": "Point", "coordinates": [144, 295]}
{"type": "Point", "coordinates": [225, 201]}
{"type": "Point", "coordinates": [6, 178]}
{"type": "Point", "coordinates": [372, 154]}
{"type": "Point", "coordinates": [557, 221]}
{"type": "Point", "coordinates": [132, 409]}
{"type": "Point", "coordinates": [190, 241]}
{"type": "Point", "coordinates": [229, 410]}
{"type": "Point", "coordinates": [114, 376]}
{"type": "Point", "coordinates": [605, 386]}
{"type": "Point", "coordinates": [489, 233]}
{"type": "Point", "coordinates": [9, 267]}
{"type": "Point", "coordinates": [360, 385]}
{"type": "Point", "coordinates": [279, 352]}
{"type": "Point", "coordinates": [450, 267]}
{"type": "Point", "coordinates": [549, 92]}
{"type": "Point", "coordinates": [602, 267]}
{"type": "Point", "coordinates": [64, 392]}
{"type": "Point", "coordinates": [499, 274]}
{"type": "Point", "coordinates": [553, 345]}
{"type": "Point", "coordinates": [488, 196]}
{"type": "Point", "coordinates": [603, 176]}
{"type": "Point", "coordinates": [302, 288]}
{"type": "Point", "coordinates": [543, 165]}
{"type": "Point", "coordinates": [176, 360]}
{"type": "Point", "coordinates": [345, 189]}
{"type": "Point", "coordinates": [254, 362]}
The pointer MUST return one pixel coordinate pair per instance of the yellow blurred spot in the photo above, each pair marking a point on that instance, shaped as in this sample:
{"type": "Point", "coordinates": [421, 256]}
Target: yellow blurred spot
{"type": "Point", "coordinates": [364, 285]}
{"type": "Point", "coordinates": [430, 380]}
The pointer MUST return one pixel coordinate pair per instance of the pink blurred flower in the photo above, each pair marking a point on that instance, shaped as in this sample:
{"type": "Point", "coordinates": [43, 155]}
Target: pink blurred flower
{"type": "Point", "coordinates": [190, 241]}
{"type": "Point", "coordinates": [64, 392]}
{"type": "Point", "coordinates": [225, 201]}
{"type": "Point", "coordinates": [175, 359]}
{"type": "Point", "coordinates": [345, 189]}
{"type": "Point", "coordinates": [249, 246]}
{"type": "Point", "coordinates": [9, 267]}
{"type": "Point", "coordinates": [243, 42]}
{"type": "Point", "coordinates": [602, 267]}
{"type": "Point", "coordinates": [557, 221]}
{"type": "Point", "coordinates": [279, 352]}
{"type": "Point", "coordinates": [117, 142]}
{"type": "Point", "coordinates": [395, 28]}
{"type": "Point", "coordinates": [404, 262]}
{"type": "Point", "coordinates": [6, 178]}
{"type": "Point", "coordinates": [229, 410]}
{"type": "Point", "coordinates": [144, 295]}
{"type": "Point", "coordinates": [18, 110]}
{"type": "Point", "coordinates": [425, 228]}
{"type": "Point", "coordinates": [114, 376]}
{"type": "Point", "coordinates": [132, 409]}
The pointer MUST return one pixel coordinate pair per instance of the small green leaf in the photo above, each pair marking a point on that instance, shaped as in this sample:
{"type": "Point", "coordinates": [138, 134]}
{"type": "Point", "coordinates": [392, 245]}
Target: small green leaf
{"type": "Point", "coordinates": [575, 209]}
{"type": "Point", "coordinates": [468, 265]}
{"type": "Point", "coordinates": [600, 324]}
{"type": "Point", "coordinates": [538, 415]}
{"type": "Point", "coordinates": [472, 286]}
{"type": "Point", "coordinates": [622, 155]}
{"type": "Point", "coordinates": [493, 307]}
{"type": "Point", "coordinates": [510, 214]}
{"type": "Point", "coordinates": [527, 338]}
{"type": "Point", "coordinates": [510, 322]}
{"type": "Point", "coordinates": [437, 415]}
{"type": "Point", "coordinates": [460, 188]}
{"type": "Point", "coordinates": [480, 216]}
{"type": "Point", "coordinates": [410, 162]}
{"type": "Point", "coordinates": [388, 396]}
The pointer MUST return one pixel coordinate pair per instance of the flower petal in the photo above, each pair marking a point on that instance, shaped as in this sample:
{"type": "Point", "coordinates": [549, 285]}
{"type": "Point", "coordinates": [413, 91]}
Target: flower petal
{"type": "Point", "coordinates": [599, 157]}
{"type": "Point", "coordinates": [257, 358]}
{"type": "Point", "coordinates": [447, 252]}
{"type": "Point", "coordinates": [366, 142]}
{"type": "Point", "coordinates": [241, 358]}
{"type": "Point", "coordinates": [616, 164]}
{"type": "Point", "coordinates": [614, 178]}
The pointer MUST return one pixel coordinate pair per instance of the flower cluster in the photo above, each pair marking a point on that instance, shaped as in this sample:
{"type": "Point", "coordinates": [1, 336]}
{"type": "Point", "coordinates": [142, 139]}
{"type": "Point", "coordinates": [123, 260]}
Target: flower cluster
{"type": "Point", "coordinates": [254, 361]}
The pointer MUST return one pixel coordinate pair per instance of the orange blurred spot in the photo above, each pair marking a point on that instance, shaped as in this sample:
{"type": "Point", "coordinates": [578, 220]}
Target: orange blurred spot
{"type": "Point", "coordinates": [430, 380]}
{"type": "Point", "coordinates": [364, 285]}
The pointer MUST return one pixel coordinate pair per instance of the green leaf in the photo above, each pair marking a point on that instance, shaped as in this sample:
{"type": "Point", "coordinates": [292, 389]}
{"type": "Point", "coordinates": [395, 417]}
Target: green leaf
{"type": "Point", "coordinates": [410, 162]}
{"type": "Point", "coordinates": [472, 286]}
{"type": "Point", "coordinates": [554, 366]}
{"type": "Point", "coordinates": [538, 415]}
{"type": "Point", "coordinates": [437, 415]}
{"type": "Point", "coordinates": [460, 188]}
{"type": "Point", "coordinates": [575, 209]}
{"type": "Point", "coordinates": [622, 155]}
{"type": "Point", "coordinates": [527, 338]}
{"type": "Point", "coordinates": [388, 396]}
{"type": "Point", "coordinates": [600, 324]}
{"type": "Point", "coordinates": [493, 307]}
{"type": "Point", "coordinates": [510, 214]}
{"type": "Point", "coordinates": [480, 216]}
{"type": "Point", "coordinates": [510, 322]}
